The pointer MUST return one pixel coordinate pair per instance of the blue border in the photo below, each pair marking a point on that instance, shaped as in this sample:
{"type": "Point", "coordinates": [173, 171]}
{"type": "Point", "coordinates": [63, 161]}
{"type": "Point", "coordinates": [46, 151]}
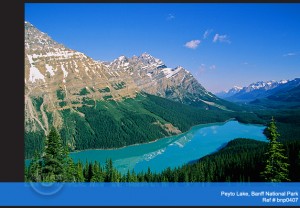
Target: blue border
{"type": "Point", "coordinates": [134, 194]}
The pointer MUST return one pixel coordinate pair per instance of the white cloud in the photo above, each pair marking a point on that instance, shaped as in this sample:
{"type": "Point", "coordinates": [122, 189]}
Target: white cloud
{"type": "Point", "coordinates": [170, 17]}
{"type": "Point", "coordinates": [207, 33]}
{"type": "Point", "coordinates": [202, 68]}
{"type": "Point", "coordinates": [192, 44]}
{"type": "Point", "coordinates": [212, 67]}
{"type": "Point", "coordinates": [289, 54]}
{"type": "Point", "coordinates": [221, 38]}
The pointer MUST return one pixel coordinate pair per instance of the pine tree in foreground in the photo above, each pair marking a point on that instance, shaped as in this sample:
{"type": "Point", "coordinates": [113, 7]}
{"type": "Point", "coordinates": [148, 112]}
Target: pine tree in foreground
{"type": "Point", "coordinates": [34, 170]}
{"type": "Point", "coordinates": [276, 169]}
{"type": "Point", "coordinates": [53, 158]}
{"type": "Point", "coordinates": [79, 172]}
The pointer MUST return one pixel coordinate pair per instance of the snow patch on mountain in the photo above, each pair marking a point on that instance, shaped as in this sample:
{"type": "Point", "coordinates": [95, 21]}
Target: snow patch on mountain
{"type": "Point", "coordinates": [65, 73]}
{"type": "Point", "coordinates": [149, 74]}
{"type": "Point", "coordinates": [34, 73]}
{"type": "Point", "coordinates": [50, 70]}
{"type": "Point", "coordinates": [283, 81]}
{"type": "Point", "coordinates": [169, 72]}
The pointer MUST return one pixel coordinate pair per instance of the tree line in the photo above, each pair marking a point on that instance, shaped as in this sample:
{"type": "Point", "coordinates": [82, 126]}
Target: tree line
{"type": "Point", "coordinates": [241, 160]}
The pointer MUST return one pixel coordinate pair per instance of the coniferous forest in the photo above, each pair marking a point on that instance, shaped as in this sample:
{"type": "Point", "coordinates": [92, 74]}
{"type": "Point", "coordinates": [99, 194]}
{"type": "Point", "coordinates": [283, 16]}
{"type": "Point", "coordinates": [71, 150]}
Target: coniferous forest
{"type": "Point", "coordinates": [186, 124]}
{"type": "Point", "coordinates": [241, 160]}
{"type": "Point", "coordinates": [112, 124]}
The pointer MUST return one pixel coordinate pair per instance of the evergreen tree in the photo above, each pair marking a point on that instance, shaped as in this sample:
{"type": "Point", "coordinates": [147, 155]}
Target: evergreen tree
{"type": "Point", "coordinates": [90, 172]}
{"type": "Point", "coordinates": [186, 177]}
{"type": "Point", "coordinates": [148, 175]}
{"type": "Point", "coordinates": [86, 171]}
{"type": "Point", "coordinates": [79, 172]}
{"type": "Point", "coordinates": [54, 155]}
{"type": "Point", "coordinates": [70, 174]}
{"type": "Point", "coordinates": [133, 177]}
{"type": "Point", "coordinates": [164, 179]}
{"type": "Point", "coordinates": [108, 170]}
{"type": "Point", "coordinates": [35, 169]}
{"type": "Point", "coordinates": [25, 174]}
{"type": "Point", "coordinates": [128, 176]}
{"type": "Point", "coordinates": [276, 169]}
{"type": "Point", "coordinates": [115, 176]}
{"type": "Point", "coordinates": [97, 176]}
{"type": "Point", "coordinates": [69, 167]}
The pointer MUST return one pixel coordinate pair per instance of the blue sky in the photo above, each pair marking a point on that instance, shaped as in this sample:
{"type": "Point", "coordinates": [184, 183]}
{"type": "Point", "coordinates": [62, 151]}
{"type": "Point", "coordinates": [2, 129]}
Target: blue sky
{"type": "Point", "coordinates": [222, 45]}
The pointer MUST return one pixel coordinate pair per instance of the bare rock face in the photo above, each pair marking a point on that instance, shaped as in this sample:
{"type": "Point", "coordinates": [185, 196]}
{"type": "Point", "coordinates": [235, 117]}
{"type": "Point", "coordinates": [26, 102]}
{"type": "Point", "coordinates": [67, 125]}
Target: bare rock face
{"type": "Point", "coordinates": [63, 78]}
{"type": "Point", "coordinates": [58, 78]}
{"type": "Point", "coordinates": [151, 75]}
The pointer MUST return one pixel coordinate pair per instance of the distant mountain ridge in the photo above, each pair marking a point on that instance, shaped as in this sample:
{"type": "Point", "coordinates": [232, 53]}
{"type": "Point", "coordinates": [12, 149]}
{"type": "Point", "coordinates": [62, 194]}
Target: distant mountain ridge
{"type": "Point", "coordinates": [230, 92]}
{"type": "Point", "coordinates": [258, 90]}
{"type": "Point", "coordinates": [284, 96]}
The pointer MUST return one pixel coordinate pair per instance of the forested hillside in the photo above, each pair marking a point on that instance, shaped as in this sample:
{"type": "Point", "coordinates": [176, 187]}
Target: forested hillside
{"type": "Point", "coordinates": [241, 160]}
{"type": "Point", "coordinates": [112, 124]}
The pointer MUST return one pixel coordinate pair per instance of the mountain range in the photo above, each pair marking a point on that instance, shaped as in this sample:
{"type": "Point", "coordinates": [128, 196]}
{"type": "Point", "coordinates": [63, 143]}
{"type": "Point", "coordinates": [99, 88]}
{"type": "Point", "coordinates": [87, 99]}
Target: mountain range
{"type": "Point", "coordinates": [258, 92]}
{"type": "Point", "coordinates": [100, 104]}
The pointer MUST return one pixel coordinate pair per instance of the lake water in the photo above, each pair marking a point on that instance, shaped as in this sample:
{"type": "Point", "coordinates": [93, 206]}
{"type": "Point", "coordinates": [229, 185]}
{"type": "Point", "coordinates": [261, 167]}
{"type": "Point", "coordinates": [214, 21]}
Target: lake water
{"type": "Point", "coordinates": [174, 151]}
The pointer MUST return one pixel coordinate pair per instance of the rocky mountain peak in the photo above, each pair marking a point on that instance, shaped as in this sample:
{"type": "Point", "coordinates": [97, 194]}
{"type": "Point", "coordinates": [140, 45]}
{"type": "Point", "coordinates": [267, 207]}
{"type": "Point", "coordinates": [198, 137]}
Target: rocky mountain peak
{"type": "Point", "coordinates": [36, 40]}
{"type": "Point", "coordinates": [58, 78]}
{"type": "Point", "coordinates": [264, 85]}
{"type": "Point", "coordinates": [147, 59]}
{"type": "Point", "coordinates": [146, 55]}
{"type": "Point", "coordinates": [121, 58]}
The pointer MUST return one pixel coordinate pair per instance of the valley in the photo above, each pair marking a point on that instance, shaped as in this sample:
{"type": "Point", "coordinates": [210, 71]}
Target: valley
{"type": "Point", "coordinates": [174, 151]}
{"type": "Point", "coordinates": [98, 104]}
{"type": "Point", "coordinates": [129, 103]}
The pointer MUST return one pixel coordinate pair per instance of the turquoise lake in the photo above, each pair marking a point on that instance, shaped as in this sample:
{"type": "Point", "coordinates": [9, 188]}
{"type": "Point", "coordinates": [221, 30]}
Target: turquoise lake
{"type": "Point", "coordinates": [174, 151]}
